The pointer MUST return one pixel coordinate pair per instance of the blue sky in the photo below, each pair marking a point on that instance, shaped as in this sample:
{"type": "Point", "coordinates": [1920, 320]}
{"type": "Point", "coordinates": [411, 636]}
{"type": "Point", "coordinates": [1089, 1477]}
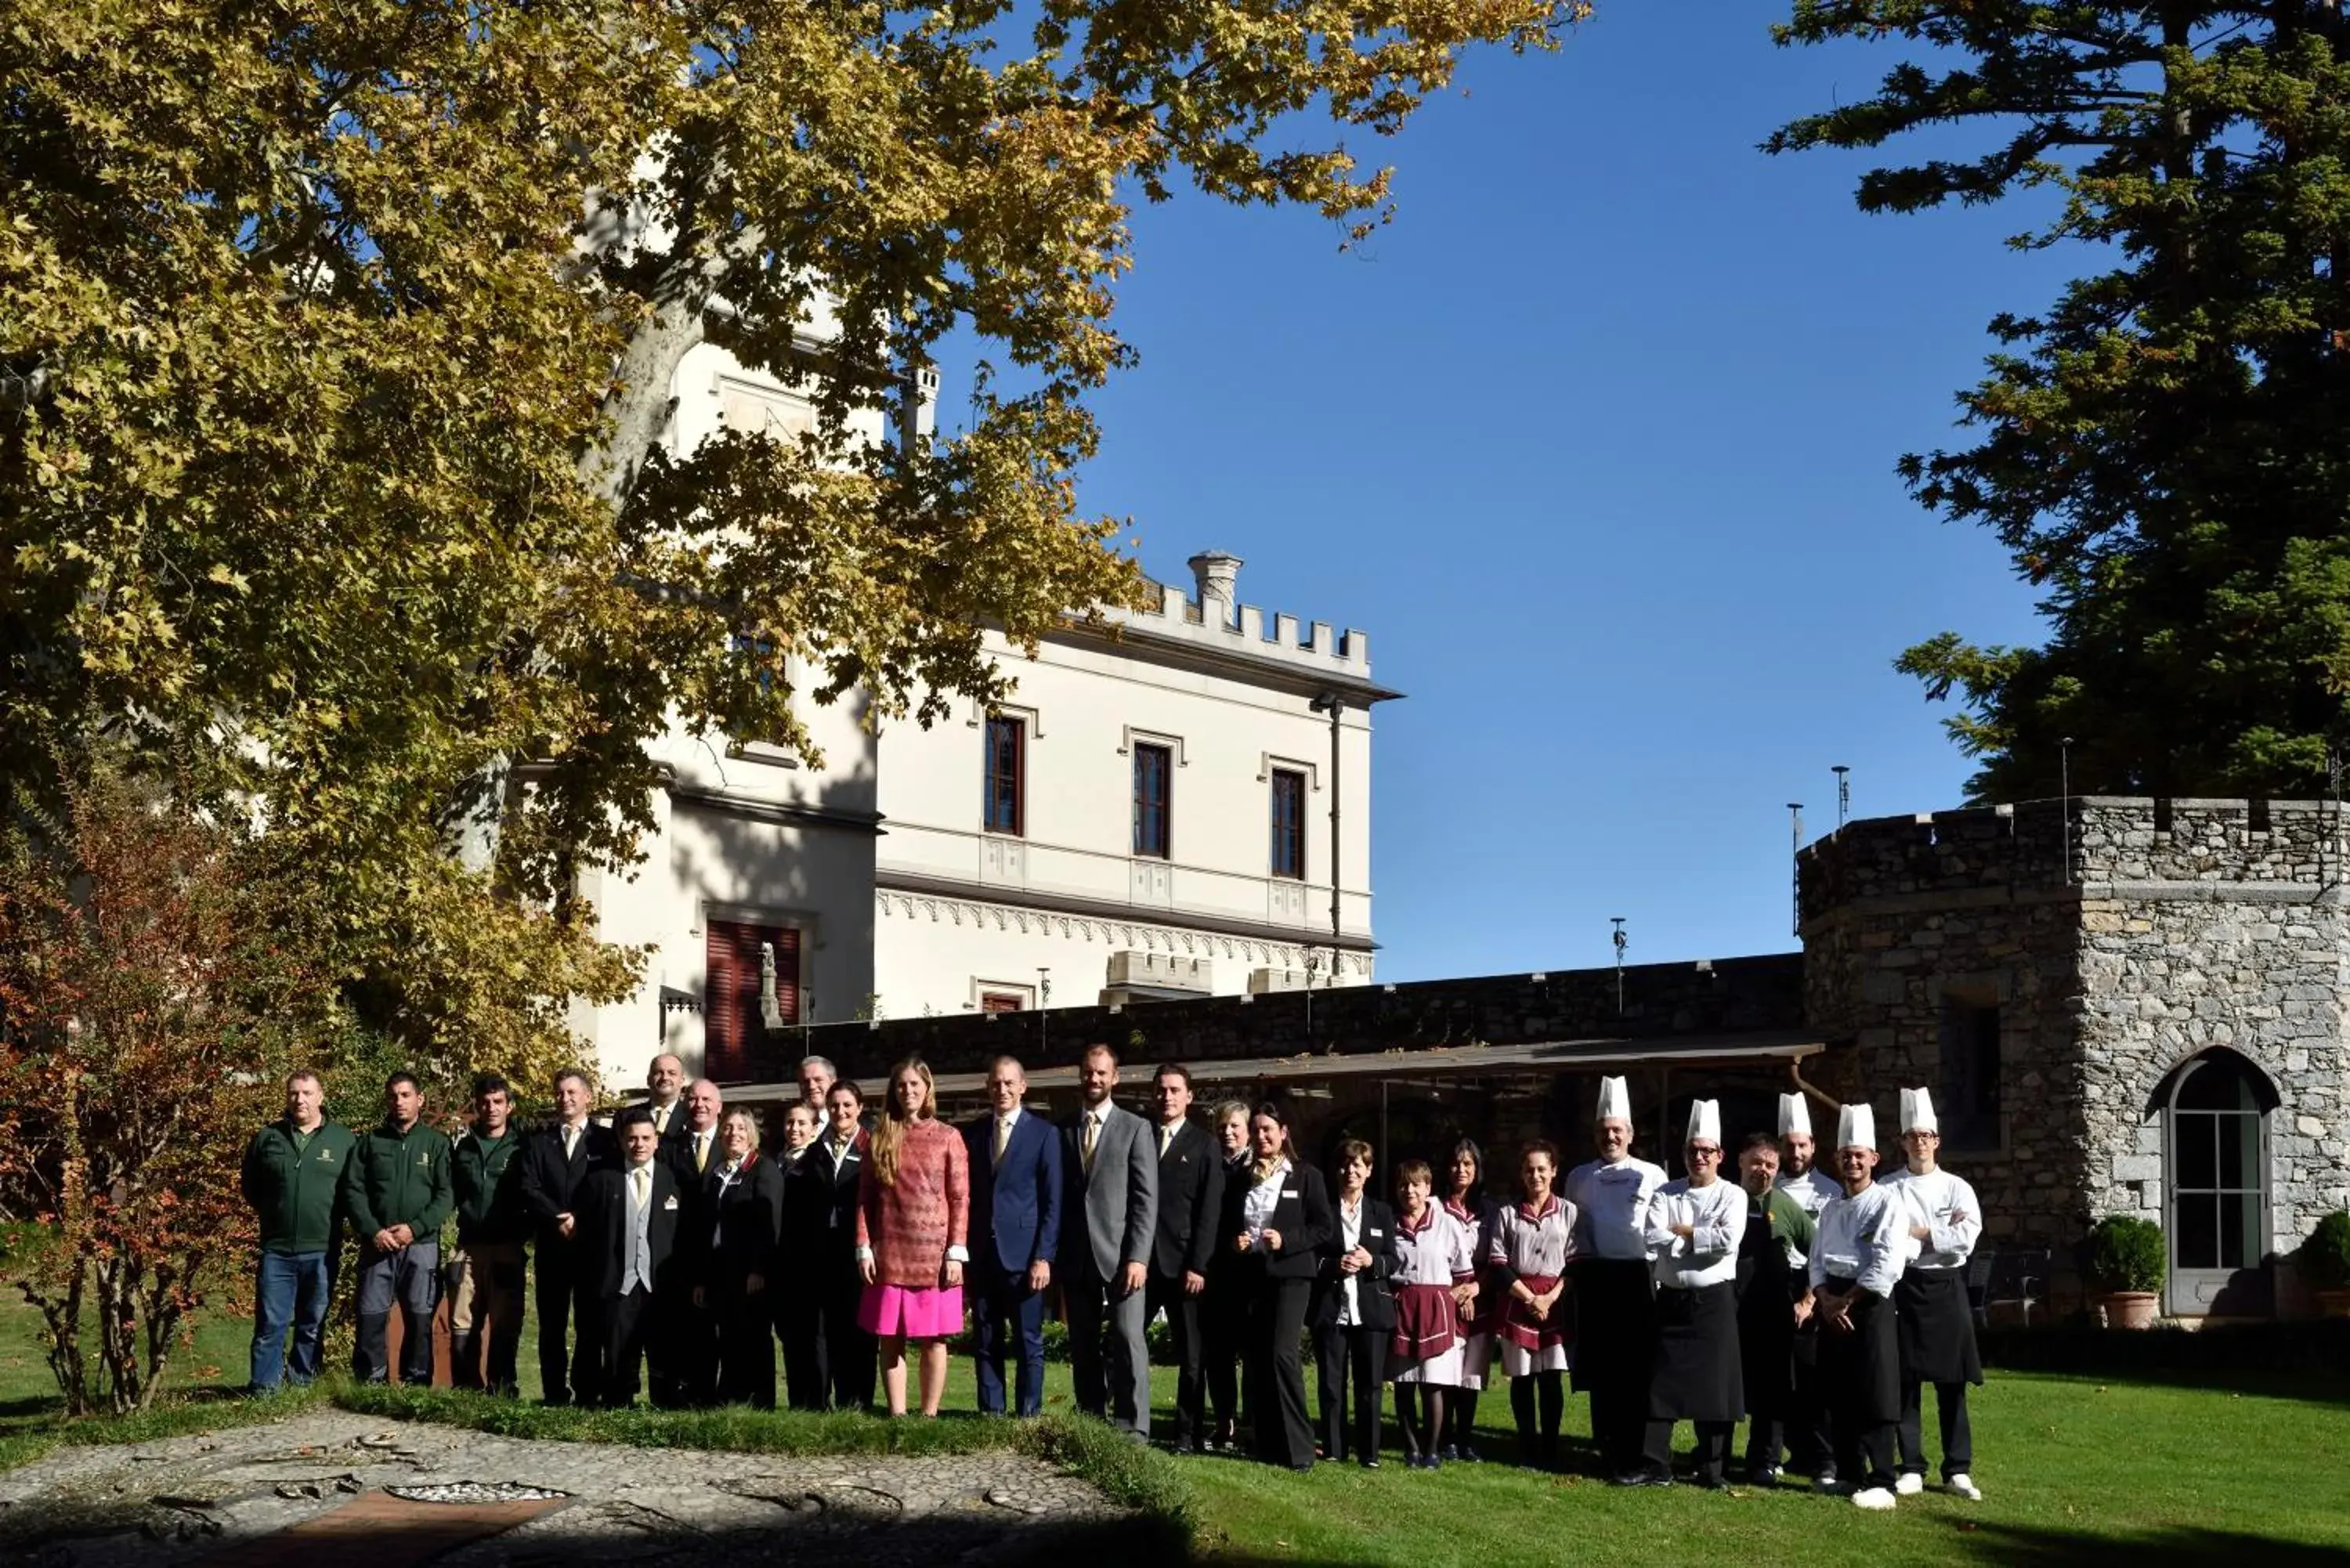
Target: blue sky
{"type": "Point", "coordinates": [1596, 442]}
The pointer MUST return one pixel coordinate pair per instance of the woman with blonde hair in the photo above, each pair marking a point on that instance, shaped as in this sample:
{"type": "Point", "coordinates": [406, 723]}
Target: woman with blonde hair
{"type": "Point", "coordinates": [913, 1221]}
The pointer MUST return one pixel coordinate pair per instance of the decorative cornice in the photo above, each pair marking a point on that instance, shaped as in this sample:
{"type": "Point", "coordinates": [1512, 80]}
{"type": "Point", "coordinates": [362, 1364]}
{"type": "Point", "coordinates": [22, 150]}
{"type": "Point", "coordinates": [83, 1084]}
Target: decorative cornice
{"type": "Point", "coordinates": [1115, 932]}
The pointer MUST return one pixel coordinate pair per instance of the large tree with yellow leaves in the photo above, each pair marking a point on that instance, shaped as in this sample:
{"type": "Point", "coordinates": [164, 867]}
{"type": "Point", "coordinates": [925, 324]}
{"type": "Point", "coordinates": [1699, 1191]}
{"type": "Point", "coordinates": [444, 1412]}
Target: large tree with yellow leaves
{"type": "Point", "coordinates": [335, 343]}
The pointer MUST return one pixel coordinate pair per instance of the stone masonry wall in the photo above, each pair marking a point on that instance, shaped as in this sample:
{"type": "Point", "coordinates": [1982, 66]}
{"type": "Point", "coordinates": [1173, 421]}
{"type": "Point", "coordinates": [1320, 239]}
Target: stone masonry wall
{"type": "Point", "coordinates": [2120, 938]}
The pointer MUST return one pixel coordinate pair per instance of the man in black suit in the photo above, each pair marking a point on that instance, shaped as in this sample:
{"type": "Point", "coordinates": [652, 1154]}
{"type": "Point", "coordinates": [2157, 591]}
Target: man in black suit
{"type": "Point", "coordinates": [737, 1225]}
{"type": "Point", "coordinates": [1190, 1199]}
{"type": "Point", "coordinates": [683, 1345]}
{"type": "Point", "coordinates": [556, 1161]}
{"type": "Point", "coordinates": [850, 1356]}
{"type": "Point", "coordinates": [628, 1223]}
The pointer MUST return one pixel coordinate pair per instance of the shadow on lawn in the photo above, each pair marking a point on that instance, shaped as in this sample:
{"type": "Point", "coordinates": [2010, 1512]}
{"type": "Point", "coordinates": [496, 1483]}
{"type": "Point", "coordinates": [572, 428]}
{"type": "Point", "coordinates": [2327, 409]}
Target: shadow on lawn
{"type": "Point", "coordinates": [2176, 1548]}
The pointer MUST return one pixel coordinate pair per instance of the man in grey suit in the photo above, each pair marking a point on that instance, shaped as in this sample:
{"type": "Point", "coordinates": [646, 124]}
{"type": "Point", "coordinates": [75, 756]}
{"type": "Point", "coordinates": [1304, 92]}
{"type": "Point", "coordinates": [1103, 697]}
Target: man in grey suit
{"type": "Point", "coordinates": [1110, 1162]}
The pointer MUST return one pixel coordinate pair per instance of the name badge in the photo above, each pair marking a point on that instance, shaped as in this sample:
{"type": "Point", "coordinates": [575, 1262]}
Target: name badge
{"type": "Point", "coordinates": [1378, 1233]}
{"type": "Point", "coordinates": [424, 1161]}
{"type": "Point", "coordinates": [1289, 1192]}
{"type": "Point", "coordinates": [670, 1202]}
{"type": "Point", "coordinates": [325, 1157]}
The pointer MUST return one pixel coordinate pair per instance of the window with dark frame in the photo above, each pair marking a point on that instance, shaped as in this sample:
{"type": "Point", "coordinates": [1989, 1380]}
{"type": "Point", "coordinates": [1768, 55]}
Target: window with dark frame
{"type": "Point", "coordinates": [1154, 771]}
{"type": "Point", "coordinates": [1007, 740]}
{"type": "Point", "coordinates": [1288, 823]}
{"type": "Point", "coordinates": [1968, 1106]}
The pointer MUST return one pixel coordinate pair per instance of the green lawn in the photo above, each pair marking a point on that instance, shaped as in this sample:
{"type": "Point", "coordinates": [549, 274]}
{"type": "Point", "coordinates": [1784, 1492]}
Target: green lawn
{"type": "Point", "coordinates": [2076, 1470]}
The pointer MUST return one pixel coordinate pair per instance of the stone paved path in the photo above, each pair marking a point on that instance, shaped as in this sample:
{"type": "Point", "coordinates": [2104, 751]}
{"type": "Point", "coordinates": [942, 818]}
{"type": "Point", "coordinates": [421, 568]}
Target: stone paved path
{"type": "Point", "coordinates": [217, 1498]}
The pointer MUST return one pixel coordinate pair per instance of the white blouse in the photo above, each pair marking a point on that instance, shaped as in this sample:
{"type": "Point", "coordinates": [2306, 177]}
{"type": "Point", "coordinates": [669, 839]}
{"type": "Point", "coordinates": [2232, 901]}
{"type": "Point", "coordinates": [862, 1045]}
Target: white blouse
{"type": "Point", "coordinates": [1256, 1209]}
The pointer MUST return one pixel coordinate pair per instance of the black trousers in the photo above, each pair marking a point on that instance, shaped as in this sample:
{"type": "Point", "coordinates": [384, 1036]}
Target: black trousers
{"type": "Point", "coordinates": [746, 1350]}
{"type": "Point", "coordinates": [564, 1307]}
{"type": "Point", "coordinates": [625, 1323]}
{"type": "Point", "coordinates": [1810, 1444]}
{"type": "Point", "coordinates": [681, 1351]}
{"type": "Point", "coordinates": [1184, 1331]}
{"type": "Point", "coordinates": [1957, 1434]}
{"type": "Point", "coordinates": [1276, 1370]}
{"type": "Point", "coordinates": [1223, 1331]}
{"type": "Point", "coordinates": [852, 1357]}
{"type": "Point", "coordinates": [1349, 1370]}
{"type": "Point", "coordinates": [1616, 1305]}
{"type": "Point", "coordinates": [800, 1323]}
{"type": "Point", "coordinates": [1711, 1457]}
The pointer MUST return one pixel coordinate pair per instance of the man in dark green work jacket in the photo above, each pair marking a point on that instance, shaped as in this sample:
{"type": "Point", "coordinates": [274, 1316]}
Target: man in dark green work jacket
{"type": "Point", "coordinates": [485, 1266]}
{"type": "Point", "coordinates": [293, 1177]}
{"type": "Point", "coordinates": [397, 1192]}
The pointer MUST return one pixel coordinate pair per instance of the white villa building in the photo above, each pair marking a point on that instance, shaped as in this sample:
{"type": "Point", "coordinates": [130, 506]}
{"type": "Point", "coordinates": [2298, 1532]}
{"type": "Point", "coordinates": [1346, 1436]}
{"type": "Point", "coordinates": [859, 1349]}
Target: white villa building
{"type": "Point", "coordinates": [1150, 815]}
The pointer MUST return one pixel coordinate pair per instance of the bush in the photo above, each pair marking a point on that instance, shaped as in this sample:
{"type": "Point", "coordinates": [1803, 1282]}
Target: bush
{"type": "Point", "coordinates": [2126, 1253]}
{"type": "Point", "coordinates": [2325, 1258]}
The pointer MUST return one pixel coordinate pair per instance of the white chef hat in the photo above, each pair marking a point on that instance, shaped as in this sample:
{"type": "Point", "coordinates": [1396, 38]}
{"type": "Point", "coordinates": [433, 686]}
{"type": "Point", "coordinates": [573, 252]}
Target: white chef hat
{"type": "Point", "coordinates": [1794, 1115]}
{"type": "Point", "coordinates": [1705, 1122]}
{"type": "Point", "coordinates": [1856, 1124]}
{"type": "Point", "coordinates": [1615, 1100]}
{"type": "Point", "coordinates": [1917, 1112]}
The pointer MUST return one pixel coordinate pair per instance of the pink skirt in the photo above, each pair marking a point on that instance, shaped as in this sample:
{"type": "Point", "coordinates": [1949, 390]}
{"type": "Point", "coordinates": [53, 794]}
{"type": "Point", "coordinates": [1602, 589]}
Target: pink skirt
{"type": "Point", "coordinates": [932, 1313]}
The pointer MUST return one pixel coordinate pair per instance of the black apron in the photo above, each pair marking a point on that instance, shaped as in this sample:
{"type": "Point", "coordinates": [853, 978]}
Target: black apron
{"type": "Point", "coordinates": [1860, 1372]}
{"type": "Point", "coordinates": [1767, 1289]}
{"type": "Point", "coordinates": [1695, 1375]}
{"type": "Point", "coordinates": [1614, 1321]}
{"type": "Point", "coordinates": [1936, 1326]}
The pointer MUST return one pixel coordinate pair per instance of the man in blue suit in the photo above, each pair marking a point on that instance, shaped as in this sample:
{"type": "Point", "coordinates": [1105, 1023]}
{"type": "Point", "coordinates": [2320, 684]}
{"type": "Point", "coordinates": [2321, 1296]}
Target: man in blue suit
{"type": "Point", "coordinates": [1016, 1224]}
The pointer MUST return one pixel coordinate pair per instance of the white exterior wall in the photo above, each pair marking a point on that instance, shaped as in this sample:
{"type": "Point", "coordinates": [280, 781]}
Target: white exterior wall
{"type": "Point", "coordinates": [963, 910]}
{"type": "Point", "coordinates": [905, 906]}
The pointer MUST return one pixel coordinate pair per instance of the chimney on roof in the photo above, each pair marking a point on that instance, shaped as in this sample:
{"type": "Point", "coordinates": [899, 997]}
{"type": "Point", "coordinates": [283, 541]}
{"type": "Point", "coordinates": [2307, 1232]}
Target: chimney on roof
{"type": "Point", "coordinates": [1218, 575]}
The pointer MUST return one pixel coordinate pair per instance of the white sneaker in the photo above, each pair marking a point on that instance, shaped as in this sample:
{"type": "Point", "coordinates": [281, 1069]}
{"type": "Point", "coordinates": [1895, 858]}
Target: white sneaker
{"type": "Point", "coordinates": [1963, 1485]}
{"type": "Point", "coordinates": [1908, 1483]}
{"type": "Point", "coordinates": [1875, 1497]}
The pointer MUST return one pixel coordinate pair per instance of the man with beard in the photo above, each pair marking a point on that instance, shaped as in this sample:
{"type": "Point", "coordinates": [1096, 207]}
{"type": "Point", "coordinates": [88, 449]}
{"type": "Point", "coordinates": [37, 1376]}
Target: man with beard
{"type": "Point", "coordinates": [1615, 1294]}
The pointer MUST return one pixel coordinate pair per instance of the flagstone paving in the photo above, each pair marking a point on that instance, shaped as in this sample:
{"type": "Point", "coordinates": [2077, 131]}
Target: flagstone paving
{"type": "Point", "coordinates": [333, 1490]}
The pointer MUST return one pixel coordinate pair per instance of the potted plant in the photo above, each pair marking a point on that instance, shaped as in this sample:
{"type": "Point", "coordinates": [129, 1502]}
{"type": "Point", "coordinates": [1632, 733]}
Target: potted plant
{"type": "Point", "coordinates": [2325, 1262]}
{"type": "Point", "coordinates": [2127, 1264]}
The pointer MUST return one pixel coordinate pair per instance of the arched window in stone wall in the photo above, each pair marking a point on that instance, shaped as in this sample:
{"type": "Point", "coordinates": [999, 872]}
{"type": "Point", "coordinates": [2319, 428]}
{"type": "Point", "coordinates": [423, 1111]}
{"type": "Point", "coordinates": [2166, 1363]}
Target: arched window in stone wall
{"type": "Point", "coordinates": [2214, 1109]}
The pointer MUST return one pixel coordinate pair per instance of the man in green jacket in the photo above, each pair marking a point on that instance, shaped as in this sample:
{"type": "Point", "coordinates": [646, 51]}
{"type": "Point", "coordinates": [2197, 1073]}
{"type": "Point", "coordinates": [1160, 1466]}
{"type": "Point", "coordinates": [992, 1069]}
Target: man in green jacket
{"type": "Point", "coordinates": [293, 1177]}
{"type": "Point", "coordinates": [485, 1266]}
{"type": "Point", "coordinates": [397, 1191]}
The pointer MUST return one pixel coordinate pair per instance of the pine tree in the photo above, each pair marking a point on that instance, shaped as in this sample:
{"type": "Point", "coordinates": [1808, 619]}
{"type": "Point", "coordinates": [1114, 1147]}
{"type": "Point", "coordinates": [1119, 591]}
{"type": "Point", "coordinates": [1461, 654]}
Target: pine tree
{"type": "Point", "coordinates": [2161, 449]}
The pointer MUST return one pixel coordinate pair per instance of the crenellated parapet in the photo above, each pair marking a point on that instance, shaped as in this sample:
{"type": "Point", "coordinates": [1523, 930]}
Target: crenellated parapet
{"type": "Point", "coordinates": [2086, 842]}
{"type": "Point", "coordinates": [1212, 620]}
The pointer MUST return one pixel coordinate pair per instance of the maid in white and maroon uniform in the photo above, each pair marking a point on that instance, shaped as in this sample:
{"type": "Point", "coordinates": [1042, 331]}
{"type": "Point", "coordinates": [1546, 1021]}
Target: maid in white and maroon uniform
{"type": "Point", "coordinates": [1481, 1314]}
{"type": "Point", "coordinates": [1533, 1241]}
{"type": "Point", "coordinates": [1433, 1262]}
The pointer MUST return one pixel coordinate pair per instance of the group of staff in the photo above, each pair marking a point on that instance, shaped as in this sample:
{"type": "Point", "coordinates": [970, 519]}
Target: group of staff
{"type": "Point", "coordinates": [1818, 1308]}
{"type": "Point", "coordinates": [667, 1250]}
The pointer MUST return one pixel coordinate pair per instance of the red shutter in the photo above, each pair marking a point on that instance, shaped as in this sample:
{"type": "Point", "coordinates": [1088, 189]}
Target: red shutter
{"type": "Point", "coordinates": [734, 1031]}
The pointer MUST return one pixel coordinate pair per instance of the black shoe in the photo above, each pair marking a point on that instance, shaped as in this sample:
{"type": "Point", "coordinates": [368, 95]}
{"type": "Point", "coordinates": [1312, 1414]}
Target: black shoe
{"type": "Point", "coordinates": [1825, 1481]}
{"type": "Point", "coordinates": [1303, 1467]}
{"type": "Point", "coordinates": [1766, 1475]}
{"type": "Point", "coordinates": [1645, 1478]}
{"type": "Point", "coordinates": [1371, 1463]}
{"type": "Point", "coordinates": [1711, 1482]}
{"type": "Point", "coordinates": [1469, 1455]}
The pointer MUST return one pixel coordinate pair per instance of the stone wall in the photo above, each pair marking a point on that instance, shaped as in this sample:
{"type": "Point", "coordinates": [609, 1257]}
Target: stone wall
{"type": "Point", "coordinates": [2119, 939]}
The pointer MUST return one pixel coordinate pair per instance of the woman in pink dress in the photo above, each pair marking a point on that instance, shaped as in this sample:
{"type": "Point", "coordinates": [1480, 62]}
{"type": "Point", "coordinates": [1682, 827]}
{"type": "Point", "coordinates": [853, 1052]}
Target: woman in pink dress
{"type": "Point", "coordinates": [913, 1214]}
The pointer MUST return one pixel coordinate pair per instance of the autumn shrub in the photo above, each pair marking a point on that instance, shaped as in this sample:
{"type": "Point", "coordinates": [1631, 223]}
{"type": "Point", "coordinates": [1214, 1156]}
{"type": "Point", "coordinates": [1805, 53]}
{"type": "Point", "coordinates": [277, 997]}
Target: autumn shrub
{"type": "Point", "coordinates": [152, 990]}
